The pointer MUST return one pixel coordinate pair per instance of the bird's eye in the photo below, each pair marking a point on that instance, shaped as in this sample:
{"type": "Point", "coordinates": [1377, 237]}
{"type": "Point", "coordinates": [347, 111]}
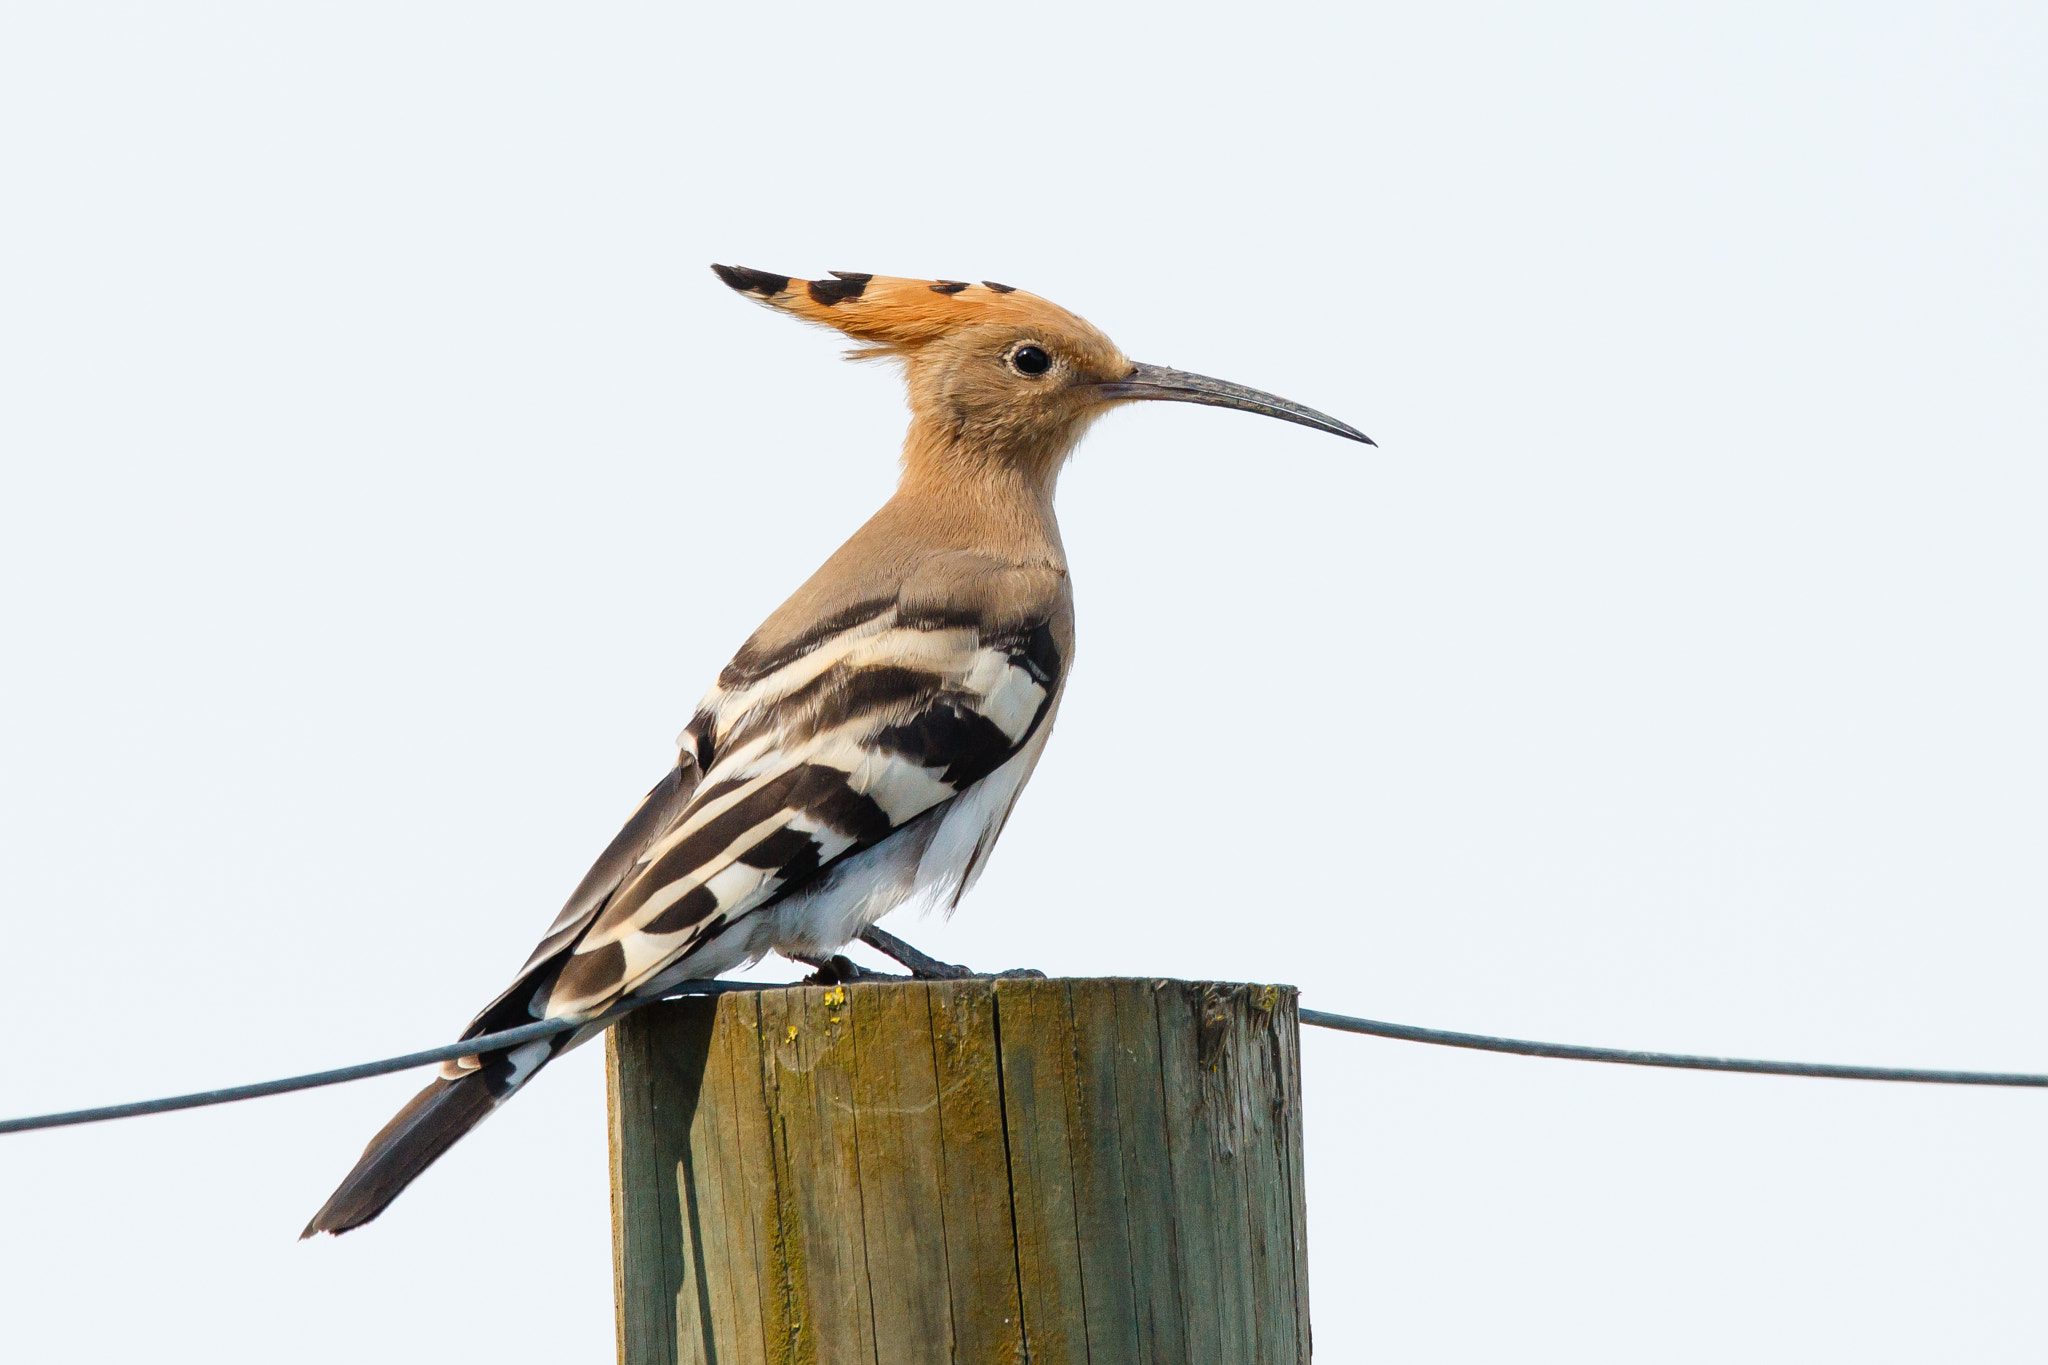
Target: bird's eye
{"type": "Point", "coordinates": [1031, 360]}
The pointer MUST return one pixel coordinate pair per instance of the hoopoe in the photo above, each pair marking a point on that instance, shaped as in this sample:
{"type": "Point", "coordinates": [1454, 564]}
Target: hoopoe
{"type": "Point", "coordinates": [864, 748]}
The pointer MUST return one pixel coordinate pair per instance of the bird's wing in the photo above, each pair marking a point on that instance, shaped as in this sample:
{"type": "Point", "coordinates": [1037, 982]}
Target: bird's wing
{"type": "Point", "coordinates": [811, 753]}
{"type": "Point", "coordinates": [819, 741]}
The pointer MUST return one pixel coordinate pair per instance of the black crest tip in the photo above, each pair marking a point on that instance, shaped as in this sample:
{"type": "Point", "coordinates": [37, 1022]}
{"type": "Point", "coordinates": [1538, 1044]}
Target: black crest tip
{"type": "Point", "coordinates": [752, 281]}
{"type": "Point", "coordinates": [845, 284]}
{"type": "Point", "coordinates": [948, 286]}
{"type": "Point", "coordinates": [999, 288]}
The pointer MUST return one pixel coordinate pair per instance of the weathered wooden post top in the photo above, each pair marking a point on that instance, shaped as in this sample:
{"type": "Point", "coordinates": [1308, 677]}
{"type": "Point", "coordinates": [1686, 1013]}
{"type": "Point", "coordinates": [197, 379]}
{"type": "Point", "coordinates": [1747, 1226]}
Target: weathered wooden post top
{"type": "Point", "coordinates": [1057, 1171]}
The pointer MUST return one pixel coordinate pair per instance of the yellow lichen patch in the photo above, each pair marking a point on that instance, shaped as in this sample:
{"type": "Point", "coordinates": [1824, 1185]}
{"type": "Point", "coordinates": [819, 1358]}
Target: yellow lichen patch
{"type": "Point", "coordinates": [792, 1033]}
{"type": "Point", "coordinates": [835, 997]}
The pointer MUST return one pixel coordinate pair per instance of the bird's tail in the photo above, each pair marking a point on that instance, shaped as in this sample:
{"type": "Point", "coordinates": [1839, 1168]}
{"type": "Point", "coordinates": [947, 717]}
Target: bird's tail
{"type": "Point", "coordinates": [428, 1126]}
{"type": "Point", "coordinates": [435, 1119]}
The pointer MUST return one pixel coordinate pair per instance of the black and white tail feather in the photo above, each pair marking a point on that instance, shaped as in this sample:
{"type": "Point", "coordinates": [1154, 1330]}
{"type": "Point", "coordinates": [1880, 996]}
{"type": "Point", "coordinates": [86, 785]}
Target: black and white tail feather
{"type": "Point", "coordinates": [867, 762]}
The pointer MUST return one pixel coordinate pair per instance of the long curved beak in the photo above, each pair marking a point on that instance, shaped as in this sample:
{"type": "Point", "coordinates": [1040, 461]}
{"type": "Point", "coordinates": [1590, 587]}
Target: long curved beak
{"type": "Point", "coordinates": [1178, 386]}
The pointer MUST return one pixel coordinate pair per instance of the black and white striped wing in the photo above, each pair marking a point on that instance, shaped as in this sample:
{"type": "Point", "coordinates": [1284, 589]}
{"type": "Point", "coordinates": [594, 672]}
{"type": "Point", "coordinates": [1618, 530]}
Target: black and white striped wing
{"type": "Point", "coordinates": [825, 755]}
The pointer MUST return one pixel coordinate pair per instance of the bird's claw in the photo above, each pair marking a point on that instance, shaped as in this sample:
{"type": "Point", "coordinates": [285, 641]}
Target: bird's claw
{"type": "Point", "coordinates": [841, 970]}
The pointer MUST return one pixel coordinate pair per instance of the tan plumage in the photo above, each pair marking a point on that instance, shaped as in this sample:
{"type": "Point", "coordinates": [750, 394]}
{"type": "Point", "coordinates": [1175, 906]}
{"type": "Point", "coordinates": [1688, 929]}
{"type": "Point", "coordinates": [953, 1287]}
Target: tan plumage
{"type": "Point", "coordinates": [867, 743]}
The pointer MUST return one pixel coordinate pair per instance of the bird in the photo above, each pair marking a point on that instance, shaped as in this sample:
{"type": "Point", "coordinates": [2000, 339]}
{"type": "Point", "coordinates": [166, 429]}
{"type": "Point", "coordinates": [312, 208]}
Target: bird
{"type": "Point", "coordinates": [863, 750]}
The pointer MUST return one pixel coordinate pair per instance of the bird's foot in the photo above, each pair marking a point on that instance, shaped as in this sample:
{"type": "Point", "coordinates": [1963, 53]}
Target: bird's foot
{"type": "Point", "coordinates": [926, 968]}
{"type": "Point", "coordinates": [840, 970]}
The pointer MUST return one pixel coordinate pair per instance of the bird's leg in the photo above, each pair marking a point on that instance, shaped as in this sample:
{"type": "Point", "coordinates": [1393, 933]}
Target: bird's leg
{"type": "Point", "coordinates": [839, 970]}
{"type": "Point", "coordinates": [930, 968]}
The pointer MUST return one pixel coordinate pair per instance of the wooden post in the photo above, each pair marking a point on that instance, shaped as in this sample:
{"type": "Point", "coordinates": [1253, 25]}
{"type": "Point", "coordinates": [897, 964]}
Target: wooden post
{"type": "Point", "coordinates": [1084, 1171]}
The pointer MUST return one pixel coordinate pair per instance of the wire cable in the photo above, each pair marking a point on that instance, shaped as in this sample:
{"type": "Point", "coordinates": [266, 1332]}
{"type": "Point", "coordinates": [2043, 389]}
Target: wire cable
{"type": "Point", "coordinates": [1343, 1023]}
{"type": "Point", "coordinates": [486, 1042]}
{"type": "Point", "coordinates": [1575, 1052]}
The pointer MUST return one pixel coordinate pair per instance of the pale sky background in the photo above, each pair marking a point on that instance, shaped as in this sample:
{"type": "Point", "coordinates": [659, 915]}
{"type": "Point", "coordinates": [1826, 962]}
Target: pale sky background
{"type": "Point", "coordinates": [386, 477]}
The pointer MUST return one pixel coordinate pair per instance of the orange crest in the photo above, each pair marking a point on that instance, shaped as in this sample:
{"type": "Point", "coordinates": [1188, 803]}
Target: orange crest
{"type": "Point", "coordinates": [894, 313]}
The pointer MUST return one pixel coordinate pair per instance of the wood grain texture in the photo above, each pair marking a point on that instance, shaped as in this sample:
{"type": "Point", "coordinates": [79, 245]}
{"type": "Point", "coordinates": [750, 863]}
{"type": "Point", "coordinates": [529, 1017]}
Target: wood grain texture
{"type": "Point", "coordinates": [1086, 1172]}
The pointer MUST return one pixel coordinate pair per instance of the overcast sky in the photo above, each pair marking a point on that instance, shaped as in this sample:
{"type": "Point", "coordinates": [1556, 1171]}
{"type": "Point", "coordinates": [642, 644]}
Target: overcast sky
{"type": "Point", "coordinates": [385, 478]}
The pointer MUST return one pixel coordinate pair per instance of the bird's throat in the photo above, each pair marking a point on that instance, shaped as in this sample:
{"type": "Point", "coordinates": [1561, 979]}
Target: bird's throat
{"type": "Point", "coordinates": [981, 491]}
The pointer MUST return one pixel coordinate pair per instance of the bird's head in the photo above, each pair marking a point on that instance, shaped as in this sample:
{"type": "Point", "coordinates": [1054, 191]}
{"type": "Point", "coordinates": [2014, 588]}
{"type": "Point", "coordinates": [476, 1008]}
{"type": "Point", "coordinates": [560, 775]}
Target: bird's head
{"type": "Point", "coordinates": [994, 372]}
